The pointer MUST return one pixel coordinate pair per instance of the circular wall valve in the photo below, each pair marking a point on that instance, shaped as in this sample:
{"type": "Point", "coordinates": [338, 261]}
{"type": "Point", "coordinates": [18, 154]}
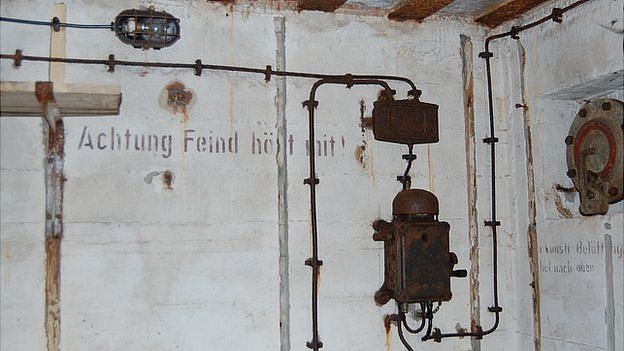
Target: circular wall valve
{"type": "Point", "coordinates": [595, 155]}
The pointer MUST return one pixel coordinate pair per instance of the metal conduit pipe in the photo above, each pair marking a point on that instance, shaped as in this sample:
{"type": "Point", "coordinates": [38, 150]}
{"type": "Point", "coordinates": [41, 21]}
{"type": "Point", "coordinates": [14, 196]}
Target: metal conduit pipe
{"type": "Point", "coordinates": [198, 67]}
{"type": "Point", "coordinates": [556, 16]}
{"type": "Point", "coordinates": [313, 181]}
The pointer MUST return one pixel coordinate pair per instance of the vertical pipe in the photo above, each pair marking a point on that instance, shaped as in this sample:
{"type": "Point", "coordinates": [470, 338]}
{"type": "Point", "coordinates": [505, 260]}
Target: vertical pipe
{"type": "Point", "coordinates": [54, 139]}
{"type": "Point", "coordinates": [54, 178]}
{"type": "Point", "coordinates": [471, 175]}
{"type": "Point", "coordinates": [282, 186]}
{"type": "Point", "coordinates": [532, 220]}
{"type": "Point", "coordinates": [610, 300]}
{"type": "Point", "coordinates": [315, 344]}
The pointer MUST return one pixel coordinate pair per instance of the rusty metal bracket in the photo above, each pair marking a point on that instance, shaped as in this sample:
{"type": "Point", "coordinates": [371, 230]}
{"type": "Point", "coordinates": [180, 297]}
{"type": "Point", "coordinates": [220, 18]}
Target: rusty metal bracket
{"type": "Point", "coordinates": [314, 345]}
{"type": "Point", "coordinates": [309, 181]}
{"type": "Point", "coordinates": [486, 54]}
{"type": "Point", "coordinates": [45, 95]}
{"type": "Point", "coordinates": [495, 309]}
{"type": "Point", "coordinates": [311, 262]}
{"type": "Point", "coordinates": [17, 58]}
{"type": "Point", "coordinates": [198, 68]}
{"type": "Point", "coordinates": [513, 32]}
{"type": "Point", "coordinates": [490, 140]}
{"type": "Point", "coordinates": [56, 24]}
{"type": "Point", "coordinates": [310, 103]}
{"type": "Point", "coordinates": [557, 15]}
{"type": "Point", "coordinates": [267, 73]}
{"type": "Point", "coordinates": [492, 223]}
{"type": "Point", "coordinates": [111, 63]}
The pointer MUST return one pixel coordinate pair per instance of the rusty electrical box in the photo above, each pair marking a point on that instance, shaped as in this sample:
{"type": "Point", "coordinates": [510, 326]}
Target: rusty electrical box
{"type": "Point", "coordinates": [418, 263]}
{"type": "Point", "coordinates": [405, 121]}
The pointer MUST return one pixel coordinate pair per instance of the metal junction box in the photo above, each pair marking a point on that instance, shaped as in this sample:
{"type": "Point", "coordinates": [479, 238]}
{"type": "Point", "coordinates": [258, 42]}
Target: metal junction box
{"type": "Point", "coordinates": [405, 121]}
{"type": "Point", "coordinates": [417, 262]}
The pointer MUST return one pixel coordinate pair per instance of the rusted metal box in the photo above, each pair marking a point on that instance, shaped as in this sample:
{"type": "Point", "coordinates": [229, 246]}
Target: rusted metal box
{"type": "Point", "coordinates": [417, 262]}
{"type": "Point", "coordinates": [405, 121]}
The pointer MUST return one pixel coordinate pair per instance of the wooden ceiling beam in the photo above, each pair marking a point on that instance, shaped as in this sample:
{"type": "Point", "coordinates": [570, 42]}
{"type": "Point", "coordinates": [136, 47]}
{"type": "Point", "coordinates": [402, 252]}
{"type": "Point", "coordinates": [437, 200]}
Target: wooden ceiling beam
{"type": "Point", "coordinates": [507, 11]}
{"type": "Point", "coordinates": [319, 5]}
{"type": "Point", "coordinates": [417, 10]}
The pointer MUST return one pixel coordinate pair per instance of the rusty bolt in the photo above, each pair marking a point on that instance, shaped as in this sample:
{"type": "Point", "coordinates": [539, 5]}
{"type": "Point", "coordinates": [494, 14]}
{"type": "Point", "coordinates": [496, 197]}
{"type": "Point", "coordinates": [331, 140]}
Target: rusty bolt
{"type": "Point", "coordinates": [569, 140]}
{"type": "Point", "coordinates": [571, 173]}
{"type": "Point", "coordinates": [583, 113]}
{"type": "Point", "coordinates": [606, 106]}
{"type": "Point", "coordinates": [613, 191]}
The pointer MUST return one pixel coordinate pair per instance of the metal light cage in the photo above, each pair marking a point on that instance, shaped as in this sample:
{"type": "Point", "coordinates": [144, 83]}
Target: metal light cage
{"type": "Point", "coordinates": [145, 29]}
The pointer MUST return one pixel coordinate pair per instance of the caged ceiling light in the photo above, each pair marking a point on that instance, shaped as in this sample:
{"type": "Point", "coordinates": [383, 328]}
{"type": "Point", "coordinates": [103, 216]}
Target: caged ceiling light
{"type": "Point", "coordinates": [140, 28]}
{"type": "Point", "coordinates": [145, 29]}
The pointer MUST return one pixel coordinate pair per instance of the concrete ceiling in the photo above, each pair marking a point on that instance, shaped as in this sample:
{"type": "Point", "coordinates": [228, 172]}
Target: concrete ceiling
{"type": "Point", "coordinates": [489, 13]}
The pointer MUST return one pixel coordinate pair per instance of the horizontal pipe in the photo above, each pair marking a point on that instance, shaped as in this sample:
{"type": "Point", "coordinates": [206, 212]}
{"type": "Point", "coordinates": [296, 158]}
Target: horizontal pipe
{"type": "Point", "coordinates": [198, 66]}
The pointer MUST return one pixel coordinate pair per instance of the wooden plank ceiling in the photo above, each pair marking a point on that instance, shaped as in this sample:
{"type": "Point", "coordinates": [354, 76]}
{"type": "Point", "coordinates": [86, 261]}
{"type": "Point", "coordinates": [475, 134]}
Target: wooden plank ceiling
{"type": "Point", "coordinates": [490, 13]}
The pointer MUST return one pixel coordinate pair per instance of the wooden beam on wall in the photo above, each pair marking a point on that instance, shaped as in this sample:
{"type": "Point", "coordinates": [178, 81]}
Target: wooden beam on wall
{"type": "Point", "coordinates": [417, 10]}
{"type": "Point", "coordinates": [507, 11]}
{"type": "Point", "coordinates": [319, 5]}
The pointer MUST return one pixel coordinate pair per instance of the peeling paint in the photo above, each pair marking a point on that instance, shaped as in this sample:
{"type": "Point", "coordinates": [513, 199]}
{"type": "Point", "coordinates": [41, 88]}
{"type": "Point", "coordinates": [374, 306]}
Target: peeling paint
{"type": "Point", "coordinates": [532, 235]}
{"type": "Point", "coordinates": [471, 175]}
{"type": "Point", "coordinates": [563, 211]}
{"type": "Point", "coordinates": [53, 292]}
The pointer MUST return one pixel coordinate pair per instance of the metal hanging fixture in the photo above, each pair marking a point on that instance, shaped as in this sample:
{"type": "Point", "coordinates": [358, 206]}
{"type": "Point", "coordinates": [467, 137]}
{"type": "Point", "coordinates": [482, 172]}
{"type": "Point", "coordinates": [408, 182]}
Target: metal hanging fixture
{"type": "Point", "coordinates": [140, 28]}
{"type": "Point", "coordinates": [145, 29]}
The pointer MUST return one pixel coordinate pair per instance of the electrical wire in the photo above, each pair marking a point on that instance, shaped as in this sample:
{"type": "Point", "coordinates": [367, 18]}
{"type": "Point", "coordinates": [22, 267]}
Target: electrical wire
{"type": "Point", "coordinates": [402, 337]}
{"type": "Point", "coordinates": [56, 23]}
{"type": "Point", "coordinates": [422, 321]}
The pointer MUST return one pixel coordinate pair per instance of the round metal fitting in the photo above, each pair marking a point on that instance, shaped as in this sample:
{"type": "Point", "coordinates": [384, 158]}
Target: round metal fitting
{"type": "Point", "coordinates": [595, 155]}
{"type": "Point", "coordinates": [415, 202]}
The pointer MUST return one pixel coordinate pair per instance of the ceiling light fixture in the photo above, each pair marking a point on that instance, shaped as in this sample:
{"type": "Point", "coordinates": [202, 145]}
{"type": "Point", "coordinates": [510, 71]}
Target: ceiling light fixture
{"type": "Point", "coordinates": [140, 28]}
{"type": "Point", "coordinates": [145, 29]}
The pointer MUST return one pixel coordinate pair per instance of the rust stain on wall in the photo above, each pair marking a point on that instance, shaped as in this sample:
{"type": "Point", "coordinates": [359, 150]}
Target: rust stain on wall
{"type": "Point", "coordinates": [387, 325]}
{"type": "Point", "coordinates": [176, 98]}
{"type": "Point", "coordinates": [167, 177]}
{"type": "Point", "coordinates": [53, 292]}
{"type": "Point", "coordinates": [360, 154]}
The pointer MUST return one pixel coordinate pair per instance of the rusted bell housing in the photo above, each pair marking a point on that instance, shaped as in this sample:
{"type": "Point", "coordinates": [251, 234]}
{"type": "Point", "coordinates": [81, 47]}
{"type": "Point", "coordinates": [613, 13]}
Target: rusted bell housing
{"type": "Point", "coordinates": [417, 262]}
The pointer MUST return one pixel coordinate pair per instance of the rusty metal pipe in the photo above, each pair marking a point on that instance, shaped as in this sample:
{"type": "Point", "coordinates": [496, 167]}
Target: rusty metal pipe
{"type": "Point", "coordinates": [111, 62]}
{"type": "Point", "coordinates": [313, 181]}
{"type": "Point", "coordinates": [492, 140]}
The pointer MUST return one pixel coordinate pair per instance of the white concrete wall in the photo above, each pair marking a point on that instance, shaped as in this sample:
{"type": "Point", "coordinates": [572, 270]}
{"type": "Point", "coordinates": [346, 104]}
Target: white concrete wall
{"type": "Point", "coordinates": [196, 267]}
{"type": "Point", "coordinates": [566, 64]}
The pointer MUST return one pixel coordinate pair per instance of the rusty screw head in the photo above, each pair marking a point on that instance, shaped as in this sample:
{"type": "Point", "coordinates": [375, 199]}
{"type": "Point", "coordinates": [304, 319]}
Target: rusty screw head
{"type": "Point", "coordinates": [569, 140]}
{"type": "Point", "coordinates": [606, 106]}
{"type": "Point", "coordinates": [583, 113]}
{"type": "Point", "coordinates": [613, 191]}
{"type": "Point", "coordinates": [571, 173]}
